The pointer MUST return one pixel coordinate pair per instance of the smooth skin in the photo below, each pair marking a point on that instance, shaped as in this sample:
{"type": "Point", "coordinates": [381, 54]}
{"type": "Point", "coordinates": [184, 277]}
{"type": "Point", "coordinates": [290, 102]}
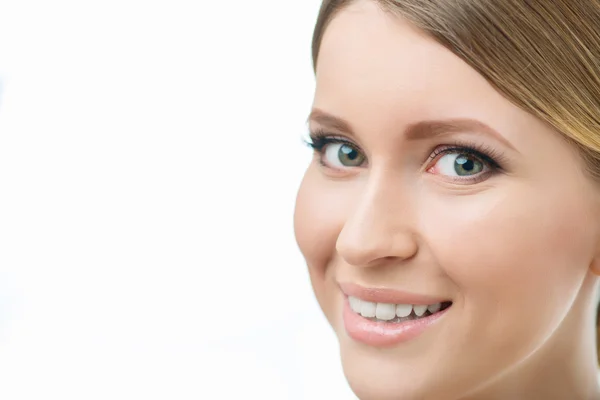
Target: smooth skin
{"type": "Point", "coordinates": [515, 249]}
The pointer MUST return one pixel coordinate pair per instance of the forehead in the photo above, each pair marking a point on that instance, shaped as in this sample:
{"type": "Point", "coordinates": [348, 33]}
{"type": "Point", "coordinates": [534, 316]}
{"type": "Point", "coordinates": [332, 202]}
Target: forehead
{"type": "Point", "coordinates": [378, 66]}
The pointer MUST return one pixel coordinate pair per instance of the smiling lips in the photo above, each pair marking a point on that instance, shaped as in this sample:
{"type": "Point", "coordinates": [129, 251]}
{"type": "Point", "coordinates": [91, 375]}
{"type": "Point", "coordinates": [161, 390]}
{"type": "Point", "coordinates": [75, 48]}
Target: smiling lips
{"type": "Point", "coordinates": [384, 317]}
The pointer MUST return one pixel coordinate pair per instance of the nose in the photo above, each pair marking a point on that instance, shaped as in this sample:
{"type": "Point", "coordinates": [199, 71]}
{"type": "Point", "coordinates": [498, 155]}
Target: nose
{"type": "Point", "coordinates": [380, 226]}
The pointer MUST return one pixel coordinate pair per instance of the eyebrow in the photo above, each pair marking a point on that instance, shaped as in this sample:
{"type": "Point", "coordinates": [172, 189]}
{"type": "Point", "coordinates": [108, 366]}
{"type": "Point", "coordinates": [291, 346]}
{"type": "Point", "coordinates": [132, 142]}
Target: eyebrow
{"type": "Point", "coordinates": [421, 130]}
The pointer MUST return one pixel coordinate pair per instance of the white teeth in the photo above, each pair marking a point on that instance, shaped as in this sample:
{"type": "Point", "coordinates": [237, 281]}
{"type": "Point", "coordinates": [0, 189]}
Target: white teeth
{"type": "Point", "coordinates": [434, 307]}
{"type": "Point", "coordinates": [385, 311]}
{"type": "Point", "coordinates": [403, 310]}
{"type": "Point", "coordinates": [354, 304]}
{"type": "Point", "coordinates": [419, 309]}
{"type": "Point", "coordinates": [388, 311]}
{"type": "Point", "coordinates": [367, 309]}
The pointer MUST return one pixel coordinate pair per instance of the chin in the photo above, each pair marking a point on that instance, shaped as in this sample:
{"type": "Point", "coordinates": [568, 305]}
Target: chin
{"type": "Point", "coordinates": [370, 385]}
{"type": "Point", "coordinates": [419, 371]}
{"type": "Point", "coordinates": [375, 374]}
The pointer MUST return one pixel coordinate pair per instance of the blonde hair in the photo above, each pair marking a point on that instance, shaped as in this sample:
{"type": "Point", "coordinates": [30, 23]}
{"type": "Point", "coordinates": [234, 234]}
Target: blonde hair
{"type": "Point", "coordinates": [544, 56]}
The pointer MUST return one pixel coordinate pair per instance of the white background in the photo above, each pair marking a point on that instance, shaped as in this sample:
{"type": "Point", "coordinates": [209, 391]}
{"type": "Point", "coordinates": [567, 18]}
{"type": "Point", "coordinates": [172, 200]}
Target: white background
{"type": "Point", "coordinates": [150, 153]}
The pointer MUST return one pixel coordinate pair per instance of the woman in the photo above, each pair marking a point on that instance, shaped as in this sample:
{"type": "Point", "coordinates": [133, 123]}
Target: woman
{"type": "Point", "coordinates": [450, 219]}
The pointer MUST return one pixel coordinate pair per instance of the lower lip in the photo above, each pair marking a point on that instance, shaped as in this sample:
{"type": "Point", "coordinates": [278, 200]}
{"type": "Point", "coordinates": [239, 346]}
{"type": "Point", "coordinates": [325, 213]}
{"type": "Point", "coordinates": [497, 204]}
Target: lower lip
{"type": "Point", "coordinates": [382, 334]}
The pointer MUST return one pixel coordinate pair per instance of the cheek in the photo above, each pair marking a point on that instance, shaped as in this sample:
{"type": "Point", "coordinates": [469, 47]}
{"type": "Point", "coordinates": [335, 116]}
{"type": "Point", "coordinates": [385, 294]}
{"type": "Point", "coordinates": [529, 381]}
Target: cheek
{"type": "Point", "coordinates": [322, 207]}
{"type": "Point", "coordinates": [316, 222]}
{"type": "Point", "coordinates": [517, 258]}
{"type": "Point", "coordinates": [318, 219]}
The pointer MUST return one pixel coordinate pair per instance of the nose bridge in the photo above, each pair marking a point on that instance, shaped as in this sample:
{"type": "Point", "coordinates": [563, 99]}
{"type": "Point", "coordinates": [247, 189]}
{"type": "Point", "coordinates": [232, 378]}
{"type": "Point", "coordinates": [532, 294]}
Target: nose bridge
{"type": "Point", "coordinates": [381, 223]}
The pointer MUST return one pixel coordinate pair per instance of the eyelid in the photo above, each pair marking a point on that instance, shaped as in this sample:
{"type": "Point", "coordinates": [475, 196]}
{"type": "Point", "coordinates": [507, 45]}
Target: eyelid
{"type": "Point", "coordinates": [491, 156]}
{"type": "Point", "coordinates": [338, 140]}
{"type": "Point", "coordinates": [319, 139]}
{"type": "Point", "coordinates": [462, 150]}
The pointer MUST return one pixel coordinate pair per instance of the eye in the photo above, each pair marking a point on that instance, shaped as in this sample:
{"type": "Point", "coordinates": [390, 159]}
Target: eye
{"type": "Point", "coordinates": [463, 164]}
{"type": "Point", "coordinates": [459, 164]}
{"type": "Point", "coordinates": [342, 155]}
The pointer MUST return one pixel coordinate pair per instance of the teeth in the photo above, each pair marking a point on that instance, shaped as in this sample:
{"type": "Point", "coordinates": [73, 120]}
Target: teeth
{"type": "Point", "coordinates": [403, 310]}
{"type": "Point", "coordinates": [354, 304]}
{"type": "Point", "coordinates": [385, 311]}
{"type": "Point", "coordinates": [367, 309]}
{"type": "Point", "coordinates": [434, 307]}
{"type": "Point", "coordinates": [419, 309]}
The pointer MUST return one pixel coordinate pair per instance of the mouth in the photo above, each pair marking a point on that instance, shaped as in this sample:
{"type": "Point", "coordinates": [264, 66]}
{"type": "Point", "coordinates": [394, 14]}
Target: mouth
{"type": "Point", "coordinates": [395, 313]}
{"type": "Point", "coordinates": [386, 317]}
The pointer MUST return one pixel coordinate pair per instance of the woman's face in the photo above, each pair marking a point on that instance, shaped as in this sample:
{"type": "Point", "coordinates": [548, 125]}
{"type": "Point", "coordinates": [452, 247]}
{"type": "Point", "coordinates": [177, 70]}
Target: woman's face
{"type": "Point", "coordinates": [431, 184]}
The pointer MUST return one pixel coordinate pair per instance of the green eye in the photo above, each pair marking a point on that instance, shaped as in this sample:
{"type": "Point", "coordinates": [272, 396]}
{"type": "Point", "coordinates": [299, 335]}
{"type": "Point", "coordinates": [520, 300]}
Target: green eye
{"type": "Point", "coordinates": [341, 155]}
{"type": "Point", "coordinates": [349, 156]}
{"type": "Point", "coordinates": [459, 164]}
{"type": "Point", "coordinates": [465, 165]}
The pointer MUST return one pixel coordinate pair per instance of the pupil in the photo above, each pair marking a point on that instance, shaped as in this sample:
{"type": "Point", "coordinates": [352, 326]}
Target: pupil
{"type": "Point", "coordinates": [465, 163]}
{"type": "Point", "coordinates": [349, 152]}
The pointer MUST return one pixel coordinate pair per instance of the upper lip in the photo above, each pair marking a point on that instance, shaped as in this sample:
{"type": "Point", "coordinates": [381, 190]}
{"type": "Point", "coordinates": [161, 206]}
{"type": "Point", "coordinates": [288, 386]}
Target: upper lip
{"type": "Point", "coordinates": [386, 295]}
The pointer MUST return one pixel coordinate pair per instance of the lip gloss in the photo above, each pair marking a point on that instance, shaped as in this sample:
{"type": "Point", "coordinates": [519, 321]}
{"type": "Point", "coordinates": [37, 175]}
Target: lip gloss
{"type": "Point", "coordinates": [381, 334]}
{"type": "Point", "coordinates": [384, 333]}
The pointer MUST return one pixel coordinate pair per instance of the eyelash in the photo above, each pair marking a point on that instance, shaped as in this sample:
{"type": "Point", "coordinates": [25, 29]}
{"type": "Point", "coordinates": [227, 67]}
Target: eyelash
{"type": "Point", "coordinates": [320, 139]}
{"type": "Point", "coordinates": [492, 157]}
